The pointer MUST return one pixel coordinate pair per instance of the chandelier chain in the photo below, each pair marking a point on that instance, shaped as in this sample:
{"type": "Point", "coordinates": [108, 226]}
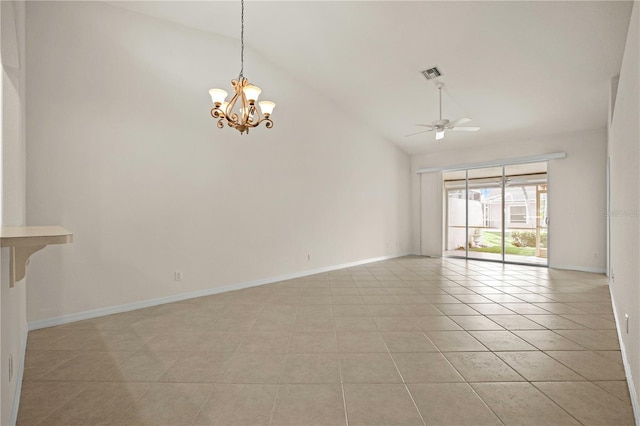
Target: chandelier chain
{"type": "Point", "coordinates": [241, 41]}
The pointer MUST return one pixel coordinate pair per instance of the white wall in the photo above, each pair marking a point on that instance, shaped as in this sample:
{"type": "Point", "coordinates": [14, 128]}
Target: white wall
{"type": "Point", "coordinates": [431, 211]}
{"type": "Point", "coordinates": [122, 151]}
{"type": "Point", "coordinates": [13, 324]}
{"type": "Point", "coordinates": [624, 144]}
{"type": "Point", "coordinates": [577, 193]}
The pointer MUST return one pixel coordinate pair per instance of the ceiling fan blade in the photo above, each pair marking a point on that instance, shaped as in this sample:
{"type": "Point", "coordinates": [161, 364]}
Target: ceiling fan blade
{"type": "Point", "coordinates": [424, 125]}
{"type": "Point", "coordinates": [466, 129]}
{"type": "Point", "coordinates": [458, 122]}
{"type": "Point", "coordinates": [423, 131]}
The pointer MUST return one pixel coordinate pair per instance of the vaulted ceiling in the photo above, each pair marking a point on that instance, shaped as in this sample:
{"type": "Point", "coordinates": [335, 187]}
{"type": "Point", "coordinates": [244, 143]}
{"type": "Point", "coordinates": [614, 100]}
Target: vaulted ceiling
{"type": "Point", "coordinates": [519, 69]}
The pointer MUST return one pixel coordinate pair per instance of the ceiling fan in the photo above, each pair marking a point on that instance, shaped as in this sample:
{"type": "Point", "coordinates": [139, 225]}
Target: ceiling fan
{"type": "Point", "coordinates": [441, 125]}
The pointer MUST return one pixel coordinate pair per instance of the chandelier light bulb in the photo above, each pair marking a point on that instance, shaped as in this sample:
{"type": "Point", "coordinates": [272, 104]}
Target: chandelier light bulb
{"type": "Point", "coordinates": [218, 96]}
{"type": "Point", "coordinates": [266, 107]}
{"type": "Point", "coordinates": [251, 92]}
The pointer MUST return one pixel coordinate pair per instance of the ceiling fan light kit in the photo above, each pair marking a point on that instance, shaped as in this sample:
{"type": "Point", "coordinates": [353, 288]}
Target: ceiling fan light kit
{"type": "Point", "coordinates": [442, 124]}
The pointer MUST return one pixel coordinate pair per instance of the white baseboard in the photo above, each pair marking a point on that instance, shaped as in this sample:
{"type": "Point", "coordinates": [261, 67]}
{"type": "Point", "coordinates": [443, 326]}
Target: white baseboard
{"type": "Point", "coordinates": [66, 319]}
{"type": "Point", "coordinates": [13, 419]}
{"type": "Point", "coordinates": [579, 268]}
{"type": "Point", "coordinates": [635, 403]}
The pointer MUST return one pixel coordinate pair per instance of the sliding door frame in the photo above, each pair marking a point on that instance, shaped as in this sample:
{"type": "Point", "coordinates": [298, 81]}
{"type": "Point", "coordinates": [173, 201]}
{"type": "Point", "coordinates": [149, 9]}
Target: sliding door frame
{"type": "Point", "coordinates": [503, 185]}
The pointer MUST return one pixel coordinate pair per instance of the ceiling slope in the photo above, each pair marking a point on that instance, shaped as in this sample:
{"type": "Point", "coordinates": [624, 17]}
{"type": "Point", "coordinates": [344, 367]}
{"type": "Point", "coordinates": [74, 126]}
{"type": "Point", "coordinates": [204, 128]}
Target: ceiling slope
{"type": "Point", "coordinates": [520, 69]}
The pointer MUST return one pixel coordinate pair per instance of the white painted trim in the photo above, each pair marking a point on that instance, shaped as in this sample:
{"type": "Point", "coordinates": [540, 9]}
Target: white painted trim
{"type": "Point", "coordinates": [579, 268]}
{"type": "Point", "coordinates": [420, 213]}
{"type": "Point", "coordinates": [495, 163]}
{"type": "Point", "coordinates": [13, 419]}
{"type": "Point", "coordinates": [65, 319]}
{"type": "Point", "coordinates": [608, 188]}
{"type": "Point", "coordinates": [635, 403]}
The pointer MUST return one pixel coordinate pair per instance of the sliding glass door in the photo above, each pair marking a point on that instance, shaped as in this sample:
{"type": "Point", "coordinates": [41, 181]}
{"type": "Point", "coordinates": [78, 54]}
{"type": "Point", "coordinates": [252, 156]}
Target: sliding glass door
{"type": "Point", "coordinates": [497, 213]}
{"type": "Point", "coordinates": [526, 213]}
{"type": "Point", "coordinates": [485, 216]}
{"type": "Point", "coordinates": [456, 235]}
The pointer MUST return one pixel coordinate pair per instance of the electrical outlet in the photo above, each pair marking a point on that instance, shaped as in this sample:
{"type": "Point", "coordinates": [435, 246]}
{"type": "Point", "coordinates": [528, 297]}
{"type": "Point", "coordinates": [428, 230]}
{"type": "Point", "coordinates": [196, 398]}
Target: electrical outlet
{"type": "Point", "coordinates": [10, 367]}
{"type": "Point", "coordinates": [595, 255]}
{"type": "Point", "coordinates": [177, 276]}
{"type": "Point", "coordinates": [308, 257]}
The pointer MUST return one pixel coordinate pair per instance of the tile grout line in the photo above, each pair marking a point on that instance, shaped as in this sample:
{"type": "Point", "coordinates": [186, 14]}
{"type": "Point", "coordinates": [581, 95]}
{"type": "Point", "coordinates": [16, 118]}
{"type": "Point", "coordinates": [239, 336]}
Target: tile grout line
{"type": "Point", "coordinates": [229, 362]}
{"type": "Point", "coordinates": [286, 356]}
{"type": "Point", "coordinates": [204, 402]}
{"type": "Point", "coordinates": [406, 388]}
{"type": "Point", "coordinates": [86, 383]}
{"type": "Point", "coordinates": [344, 398]}
{"type": "Point", "coordinates": [273, 406]}
{"type": "Point", "coordinates": [63, 404]}
{"type": "Point", "coordinates": [595, 382]}
{"type": "Point", "coordinates": [221, 372]}
{"type": "Point", "coordinates": [554, 402]}
{"type": "Point", "coordinates": [484, 402]}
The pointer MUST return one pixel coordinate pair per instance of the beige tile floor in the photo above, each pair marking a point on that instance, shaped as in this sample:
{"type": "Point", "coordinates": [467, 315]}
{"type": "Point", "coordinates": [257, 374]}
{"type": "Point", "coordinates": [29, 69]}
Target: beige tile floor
{"type": "Point", "coordinates": [409, 341]}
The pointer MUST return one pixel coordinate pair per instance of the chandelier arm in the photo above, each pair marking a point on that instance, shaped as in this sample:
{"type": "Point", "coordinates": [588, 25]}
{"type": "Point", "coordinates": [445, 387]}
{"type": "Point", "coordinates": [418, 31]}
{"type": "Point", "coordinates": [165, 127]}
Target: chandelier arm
{"type": "Point", "coordinates": [220, 123]}
{"type": "Point", "coordinates": [262, 119]}
{"type": "Point", "coordinates": [245, 108]}
{"type": "Point", "coordinates": [232, 116]}
{"type": "Point", "coordinates": [259, 117]}
{"type": "Point", "coordinates": [254, 113]}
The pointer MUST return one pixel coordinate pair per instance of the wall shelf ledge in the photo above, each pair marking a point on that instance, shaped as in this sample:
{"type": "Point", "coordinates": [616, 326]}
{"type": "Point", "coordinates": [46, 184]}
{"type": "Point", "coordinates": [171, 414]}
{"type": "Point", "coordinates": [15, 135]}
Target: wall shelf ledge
{"type": "Point", "coordinates": [26, 240]}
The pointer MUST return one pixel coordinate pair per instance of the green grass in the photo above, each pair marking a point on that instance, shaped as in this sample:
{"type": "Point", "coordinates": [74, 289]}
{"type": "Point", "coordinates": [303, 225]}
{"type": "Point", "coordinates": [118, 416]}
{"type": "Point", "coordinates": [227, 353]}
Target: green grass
{"type": "Point", "coordinates": [494, 241]}
{"type": "Point", "coordinates": [522, 251]}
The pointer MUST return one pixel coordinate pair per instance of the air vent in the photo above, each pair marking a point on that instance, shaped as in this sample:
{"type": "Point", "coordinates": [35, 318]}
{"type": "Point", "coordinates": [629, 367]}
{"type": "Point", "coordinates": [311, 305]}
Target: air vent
{"type": "Point", "coordinates": [431, 73]}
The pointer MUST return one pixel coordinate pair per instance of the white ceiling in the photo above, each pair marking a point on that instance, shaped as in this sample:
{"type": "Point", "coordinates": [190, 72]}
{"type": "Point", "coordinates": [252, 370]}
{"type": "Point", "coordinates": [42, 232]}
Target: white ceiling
{"type": "Point", "coordinates": [519, 69]}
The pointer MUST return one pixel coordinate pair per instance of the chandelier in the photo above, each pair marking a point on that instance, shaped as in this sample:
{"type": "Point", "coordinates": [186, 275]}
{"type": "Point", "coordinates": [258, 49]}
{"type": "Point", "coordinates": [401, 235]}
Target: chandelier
{"type": "Point", "coordinates": [241, 112]}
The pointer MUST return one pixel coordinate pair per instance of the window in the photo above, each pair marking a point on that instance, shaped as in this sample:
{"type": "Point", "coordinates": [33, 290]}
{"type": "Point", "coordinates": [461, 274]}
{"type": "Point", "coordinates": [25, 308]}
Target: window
{"type": "Point", "coordinates": [517, 214]}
